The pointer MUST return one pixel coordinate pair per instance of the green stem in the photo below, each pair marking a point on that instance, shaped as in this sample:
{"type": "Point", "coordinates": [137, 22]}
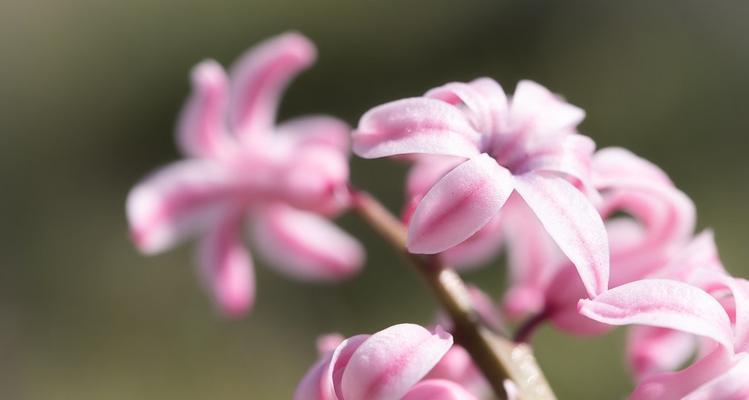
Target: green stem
{"type": "Point", "coordinates": [497, 357]}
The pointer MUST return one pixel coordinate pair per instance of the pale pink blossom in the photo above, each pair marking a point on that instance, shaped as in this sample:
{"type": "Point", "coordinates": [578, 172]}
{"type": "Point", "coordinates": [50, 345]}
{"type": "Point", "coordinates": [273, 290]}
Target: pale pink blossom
{"type": "Point", "coordinates": [240, 168]}
{"type": "Point", "coordinates": [656, 230]}
{"type": "Point", "coordinates": [387, 365]}
{"type": "Point", "coordinates": [525, 145]}
{"type": "Point", "coordinates": [719, 314]}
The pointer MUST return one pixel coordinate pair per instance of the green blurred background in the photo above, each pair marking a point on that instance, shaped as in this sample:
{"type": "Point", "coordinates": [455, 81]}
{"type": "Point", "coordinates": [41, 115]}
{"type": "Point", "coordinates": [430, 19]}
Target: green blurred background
{"type": "Point", "coordinates": [89, 91]}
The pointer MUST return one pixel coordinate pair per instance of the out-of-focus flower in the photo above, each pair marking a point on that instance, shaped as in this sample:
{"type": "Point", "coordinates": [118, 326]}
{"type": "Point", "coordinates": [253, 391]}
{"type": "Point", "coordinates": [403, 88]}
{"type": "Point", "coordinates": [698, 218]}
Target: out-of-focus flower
{"type": "Point", "coordinates": [653, 235]}
{"type": "Point", "coordinates": [526, 145]}
{"type": "Point", "coordinates": [720, 314]}
{"type": "Point", "coordinates": [388, 365]}
{"type": "Point", "coordinates": [241, 167]}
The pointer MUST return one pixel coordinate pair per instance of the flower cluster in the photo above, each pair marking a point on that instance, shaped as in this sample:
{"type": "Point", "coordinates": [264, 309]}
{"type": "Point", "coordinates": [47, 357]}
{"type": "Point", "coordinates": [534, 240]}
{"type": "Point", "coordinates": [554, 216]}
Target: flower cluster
{"type": "Point", "coordinates": [594, 238]}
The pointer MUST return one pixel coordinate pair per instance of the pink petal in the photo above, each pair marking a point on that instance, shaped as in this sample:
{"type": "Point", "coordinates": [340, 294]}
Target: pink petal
{"type": "Point", "coordinates": [306, 246]}
{"type": "Point", "coordinates": [535, 109]}
{"type": "Point", "coordinates": [426, 172]}
{"type": "Point", "coordinates": [201, 130]}
{"type": "Point", "coordinates": [315, 179]}
{"type": "Point", "coordinates": [483, 101]}
{"type": "Point", "coordinates": [573, 223]}
{"type": "Point", "coordinates": [435, 389]}
{"type": "Point", "coordinates": [259, 77]}
{"type": "Point", "coordinates": [316, 383]}
{"type": "Point", "coordinates": [740, 291]}
{"type": "Point", "coordinates": [676, 385]}
{"type": "Point", "coordinates": [458, 366]}
{"type": "Point", "coordinates": [416, 125]}
{"type": "Point", "coordinates": [463, 201]}
{"type": "Point", "coordinates": [730, 385]}
{"type": "Point", "coordinates": [177, 200]}
{"type": "Point", "coordinates": [391, 361]}
{"type": "Point", "coordinates": [318, 130]}
{"type": "Point", "coordinates": [328, 343]}
{"type": "Point", "coordinates": [562, 295]}
{"type": "Point", "coordinates": [653, 350]}
{"type": "Point", "coordinates": [226, 266]}
{"type": "Point", "coordinates": [340, 360]}
{"type": "Point", "coordinates": [662, 303]}
{"type": "Point", "coordinates": [478, 249]}
{"type": "Point", "coordinates": [694, 259]}
{"type": "Point", "coordinates": [614, 166]}
{"type": "Point", "coordinates": [569, 155]}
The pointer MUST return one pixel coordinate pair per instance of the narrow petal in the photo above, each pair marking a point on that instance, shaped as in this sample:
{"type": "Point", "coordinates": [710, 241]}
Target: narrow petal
{"type": "Point", "coordinates": [653, 350]}
{"type": "Point", "coordinates": [317, 130]}
{"type": "Point", "coordinates": [316, 383]}
{"type": "Point", "coordinates": [538, 111]}
{"type": "Point", "coordinates": [483, 102]}
{"type": "Point", "coordinates": [740, 291]}
{"type": "Point", "coordinates": [340, 360]}
{"type": "Point", "coordinates": [569, 155]}
{"type": "Point", "coordinates": [462, 202]}
{"type": "Point", "coordinates": [662, 303]}
{"type": "Point", "coordinates": [437, 389]}
{"type": "Point", "coordinates": [416, 125]}
{"type": "Point", "coordinates": [614, 166]}
{"type": "Point", "coordinates": [391, 361]}
{"type": "Point", "coordinates": [201, 129]}
{"type": "Point", "coordinates": [259, 77]}
{"type": "Point", "coordinates": [730, 385]}
{"type": "Point", "coordinates": [176, 201]}
{"type": "Point", "coordinates": [306, 246]}
{"type": "Point", "coordinates": [573, 223]}
{"type": "Point", "coordinates": [226, 267]}
{"type": "Point", "coordinates": [676, 385]}
{"type": "Point", "coordinates": [478, 249]}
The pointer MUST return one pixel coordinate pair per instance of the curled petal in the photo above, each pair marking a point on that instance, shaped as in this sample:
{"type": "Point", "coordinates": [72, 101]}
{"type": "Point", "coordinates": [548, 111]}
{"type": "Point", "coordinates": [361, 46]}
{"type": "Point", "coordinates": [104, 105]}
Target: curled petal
{"type": "Point", "coordinates": [392, 361]}
{"type": "Point", "coordinates": [201, 129]}
{"type": "Point", "coordinates": [259, 77]}
{"type": "Point", "coordinates": [177, 200]}
{"type": "Point", "coordinates": [740, 291]}
{"type": "Point", "coordinates": [315, 179]}
{"type": "Point", "coordinates": [226, 266]}
{"type": "Point", "coordinates": [436, 389]}
{"type": "Point", "coordinates": [694, 260]}
{"type": "Point", "coordinates": [316, 383]}
{"type": "Point", "coordinates": [462, 202]}
{"type": "Point", "coordinates": [568, 155]}
{"type": "Point", "coordinates": [654, 350]}
{"type": "Point", "coordinates": [340, 360]}
{"type": "Point", "coordinates": [573, 223]}
{"type": "Point", "coordinates": [662, 303]}
{"type": "Point", "coordinates": [416, 125]}
{"type": "Point", "coordinates": [426, 172]}
{"type": "Point", "coordinates": [676, 385]}
{"type": "Point", "coordinates": [730, 385]}
{"type": "Point", "coordinates": [305, 245]}
{"type": "Point", "coordinates": [538, 112]}
{"type": "Point", "coordinates": [318, 130]}
{"type": "Point", "coordinates": [615, 166]}
{"type": "Point", "coordinates": [483, 102]}
{"type": "Point", "coordinates": [478, 249]}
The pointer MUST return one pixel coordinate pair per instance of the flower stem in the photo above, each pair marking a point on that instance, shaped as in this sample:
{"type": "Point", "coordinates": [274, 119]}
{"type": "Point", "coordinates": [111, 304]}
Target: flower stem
{"type": "Point", "coordinates": [497, 357]}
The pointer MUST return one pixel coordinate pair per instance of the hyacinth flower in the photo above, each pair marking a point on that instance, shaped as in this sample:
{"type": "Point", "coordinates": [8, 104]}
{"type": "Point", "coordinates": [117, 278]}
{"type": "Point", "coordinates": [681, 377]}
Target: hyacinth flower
{"type": "Point", "coordinates": [649, 224]}
{"type": "Point", "coordinates": [525, 145]}
{"type": "Point", "coordinates": [240, 168]}
{"type": "Point", "coordinates": [387, 365]}
{"type": "Point", "coordinates": [719, 314]}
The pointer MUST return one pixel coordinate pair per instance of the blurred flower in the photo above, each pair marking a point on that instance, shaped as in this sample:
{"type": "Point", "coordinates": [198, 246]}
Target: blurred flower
{"type": "Point", "coordinates": [526, 145]}
{"type": "Point", "coordinates": [387, 365]}
{"type": "Point", "coordinates": [719, 314]}
{"type": "Point", "coordinates": [285, 179]}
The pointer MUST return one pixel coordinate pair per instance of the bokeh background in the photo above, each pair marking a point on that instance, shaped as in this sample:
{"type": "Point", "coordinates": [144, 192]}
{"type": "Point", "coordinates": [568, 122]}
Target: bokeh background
{"type": "Point", "coordinates": [89, 91]}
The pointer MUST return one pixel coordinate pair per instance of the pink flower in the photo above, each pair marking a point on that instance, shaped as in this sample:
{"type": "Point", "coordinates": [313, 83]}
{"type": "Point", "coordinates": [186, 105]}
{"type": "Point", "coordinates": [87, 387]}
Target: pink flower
{"type": "Point", "coordinates": [658, 226]}
{"type": "Point", "coordinates": [388, 365]}
{"type": "Point", "coordinates": [285, 180]}
{"type": "Point", "coordinates": [526, 145]}
{"type": "Point", "coordinates": [719, 314]}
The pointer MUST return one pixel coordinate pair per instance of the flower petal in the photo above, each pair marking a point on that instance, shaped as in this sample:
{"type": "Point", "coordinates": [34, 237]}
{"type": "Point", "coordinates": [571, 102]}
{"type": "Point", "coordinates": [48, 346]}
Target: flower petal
{"type": "Point", "coordinates": [306, 246]}
{"type": "Point", "coordinates": [175, 201]}
{"type": "Point", "coordinates": [676, 385]}
{"type": "Point", "coordinates": [391, 361]}
{"type": "Point", "coordinates": [259, 77]}
{"type": "Point", "coordinates": [615, 166]}
{"type": "Point", "coordinates": [740, 291]}
{"type": "Point", "coordinates": [573, 223]}
{"type": "Point", "coordinates": [316, 383]}
{"type": "Point", "coordinates": [483, 102]}
{"type": "Point", "coordinates": [463, 201]}
{"type": "Point", "coordinates": [569, 155]}
{"type": "Point", "coordinates": [438, 389]}
{"type": "Point", "coordinates": [415, 125]}
{"type": "Point", "coordinates": [226, 267]}
{"type": "Point", "coordinates": [539, 112]}
{"type": "Point", "coordinates": [730, 385]}
{"type": "Point", "coordinates": [662, 303]}
{"type": "Point", "coordinates": [653, 350]}
{"type": "Point", "coordinates": [478, 249]}
{"type": "Point", "coordinates": [340, 360]}
{"type": "Point", "coordinates": [317, 130]}
{"type": "Point", "coordinates": [201, 130]}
